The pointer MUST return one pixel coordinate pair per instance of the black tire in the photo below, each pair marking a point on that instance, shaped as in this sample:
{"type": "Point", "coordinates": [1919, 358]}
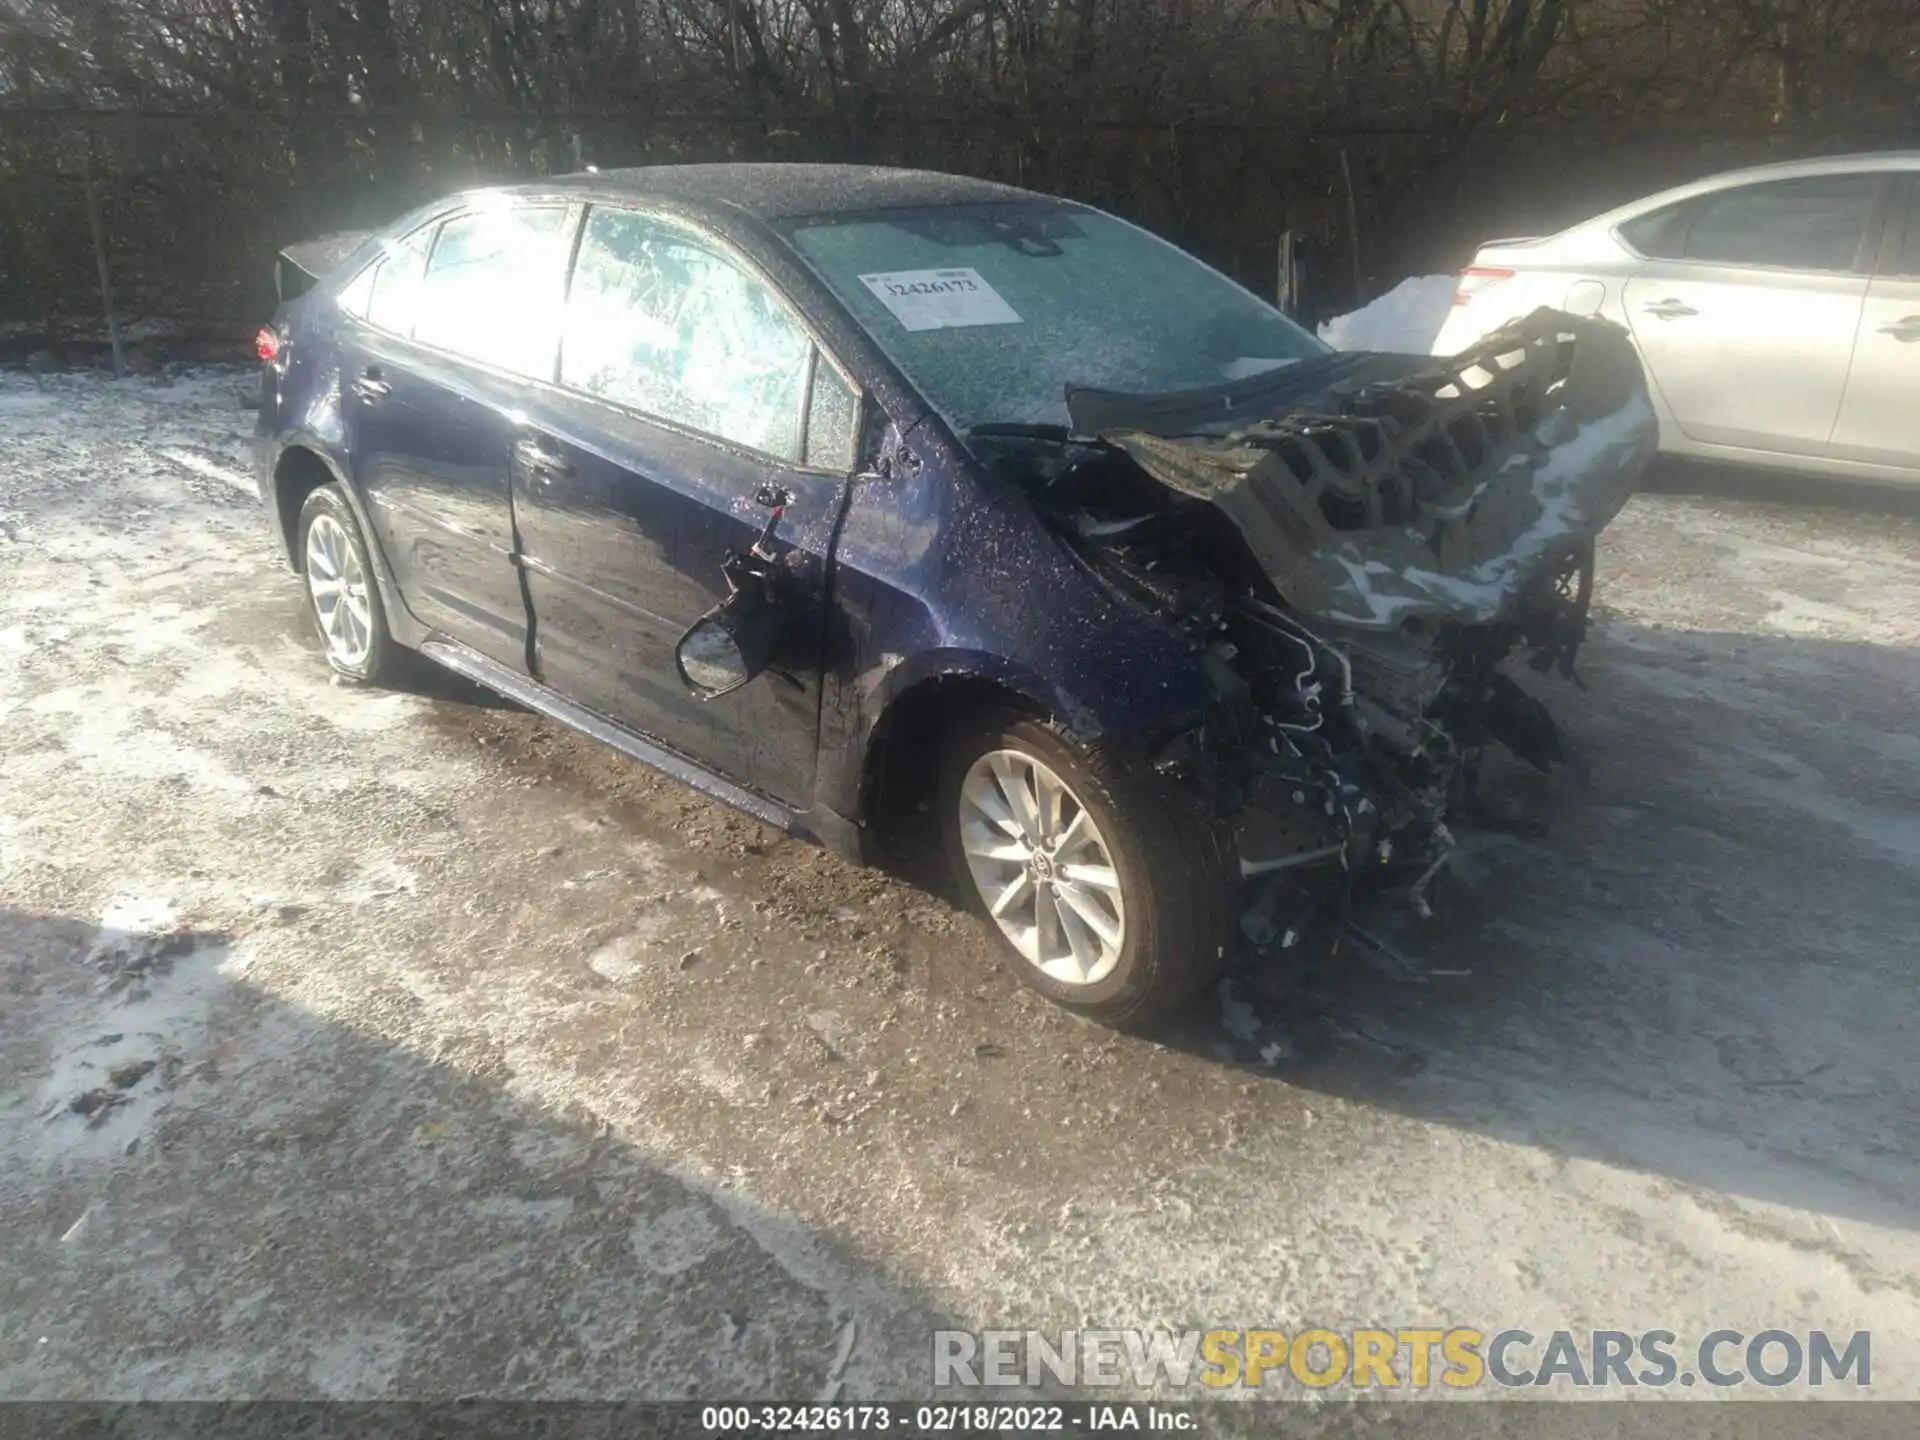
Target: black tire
{"type": "Point", "coordinates": [1173, 864]}
{"type": "Point", "coordinates": [382, 659]}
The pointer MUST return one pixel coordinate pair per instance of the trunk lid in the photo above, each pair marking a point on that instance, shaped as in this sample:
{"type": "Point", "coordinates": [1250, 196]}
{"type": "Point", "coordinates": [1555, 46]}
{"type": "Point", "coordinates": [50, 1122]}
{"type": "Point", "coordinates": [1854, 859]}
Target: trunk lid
{"type": "Point", "coordinates": [298, 268]}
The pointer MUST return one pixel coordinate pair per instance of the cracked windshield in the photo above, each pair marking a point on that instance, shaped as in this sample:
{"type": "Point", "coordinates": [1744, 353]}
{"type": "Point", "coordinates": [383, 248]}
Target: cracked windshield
{"type": "Point", "coordinates": [994, 310]}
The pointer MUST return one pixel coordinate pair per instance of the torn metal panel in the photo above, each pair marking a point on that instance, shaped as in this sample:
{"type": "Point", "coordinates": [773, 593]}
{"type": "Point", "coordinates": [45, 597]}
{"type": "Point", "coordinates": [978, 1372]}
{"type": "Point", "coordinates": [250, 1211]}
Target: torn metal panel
{"type": "Point", "coordinates": [1436, 495]}
{"type": "Point", "coordinates": [1359, 543]}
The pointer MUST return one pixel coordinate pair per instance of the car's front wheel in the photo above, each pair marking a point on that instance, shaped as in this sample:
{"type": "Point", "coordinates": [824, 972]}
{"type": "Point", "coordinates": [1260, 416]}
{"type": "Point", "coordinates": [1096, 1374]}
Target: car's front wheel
{"type": "Point", "coordinates": [342, 595]}
{"type": "Point", "coordinates": [1107, 890]}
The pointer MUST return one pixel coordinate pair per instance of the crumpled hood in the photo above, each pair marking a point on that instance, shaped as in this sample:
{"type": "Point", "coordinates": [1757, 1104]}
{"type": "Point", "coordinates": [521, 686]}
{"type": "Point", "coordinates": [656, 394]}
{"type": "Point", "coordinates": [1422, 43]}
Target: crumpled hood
{"type": "Point", "coordinates": [1373, 489]}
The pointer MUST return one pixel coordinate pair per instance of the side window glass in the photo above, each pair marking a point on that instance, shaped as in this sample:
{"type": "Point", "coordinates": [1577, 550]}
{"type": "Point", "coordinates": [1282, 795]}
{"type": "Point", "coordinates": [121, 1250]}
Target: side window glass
{"type": "Point", "coordinates": [833, 420]}
{"type": "Point", "coordinates": [1907, 262]}
{"type": "Point", "coordinates": [357, 293]}
{"type": "Point", "coordinates": [396, 283]}
{"type": "Point", "coordinates": [492, 290]}
{"type": "Point", "coordinates": [662, 324]}
{"type": "Point", "coordinates": [1661, 235]}
{"type": "Point", "coordinates": [1812, 224]}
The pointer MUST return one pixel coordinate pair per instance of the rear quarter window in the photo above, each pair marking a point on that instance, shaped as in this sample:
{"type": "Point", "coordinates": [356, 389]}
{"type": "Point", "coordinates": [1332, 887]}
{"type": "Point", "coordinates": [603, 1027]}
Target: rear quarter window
{"type": "Point", "coordinates": [357, 294]}
{"type": "Point", "coordinates": [394, 296]}
{"type": "Point", "coordinates": [1661, 234]}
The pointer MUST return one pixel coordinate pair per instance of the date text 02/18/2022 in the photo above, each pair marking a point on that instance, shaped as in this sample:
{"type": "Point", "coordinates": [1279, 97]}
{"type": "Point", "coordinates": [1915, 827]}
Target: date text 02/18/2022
{"type": "Point", "coordinates": [944, 1419]}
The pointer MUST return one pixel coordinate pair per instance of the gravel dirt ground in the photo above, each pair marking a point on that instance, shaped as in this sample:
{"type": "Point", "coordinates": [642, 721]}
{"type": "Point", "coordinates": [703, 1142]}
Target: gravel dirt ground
{"type": "Point", "coordinates": [361, 1044]}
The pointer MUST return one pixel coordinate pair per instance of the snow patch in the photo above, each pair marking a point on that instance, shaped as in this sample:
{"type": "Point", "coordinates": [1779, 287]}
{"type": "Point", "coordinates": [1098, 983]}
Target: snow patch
{"type": "Point", "coordinates": [208, 469]}
{"type": "Point", "coordinates": [378, 880]}
{"type": "Point", "coordinates": [675, 1242]}
{"type": "Point", "coordinates": [624, 956]}
{"type": "Point", "coordinates": [1404, 321]}
{"type": "Point", "coordinates": [117, 1053]}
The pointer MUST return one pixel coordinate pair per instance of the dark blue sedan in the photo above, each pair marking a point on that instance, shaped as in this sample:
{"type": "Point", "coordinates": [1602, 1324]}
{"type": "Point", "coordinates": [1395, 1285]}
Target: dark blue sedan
{"type": "Point", "coordinates": [870, 499]}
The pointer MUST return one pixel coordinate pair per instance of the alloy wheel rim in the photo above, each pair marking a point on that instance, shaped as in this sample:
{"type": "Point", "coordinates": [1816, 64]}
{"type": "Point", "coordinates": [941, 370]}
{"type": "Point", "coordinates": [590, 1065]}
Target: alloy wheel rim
{"type": "Point", "coordinates": [1043, 868]}
{"type": "Point", "coordinates": [338, 586]}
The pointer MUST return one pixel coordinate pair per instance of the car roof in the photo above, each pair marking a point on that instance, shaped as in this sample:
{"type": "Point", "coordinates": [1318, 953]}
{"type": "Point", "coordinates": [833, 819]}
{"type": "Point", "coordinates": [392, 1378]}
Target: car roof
{"type": "Point", "coordinates": [1820, 165]}
{"type": "Point", "coordinates": [1777, 170]}
{"type": "Point", "coordinates": [787, 191]}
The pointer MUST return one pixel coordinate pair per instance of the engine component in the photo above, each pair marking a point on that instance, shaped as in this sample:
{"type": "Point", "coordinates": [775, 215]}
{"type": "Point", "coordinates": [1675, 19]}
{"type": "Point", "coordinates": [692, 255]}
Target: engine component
{"type": "Point", "coordinates": [1357, 560]}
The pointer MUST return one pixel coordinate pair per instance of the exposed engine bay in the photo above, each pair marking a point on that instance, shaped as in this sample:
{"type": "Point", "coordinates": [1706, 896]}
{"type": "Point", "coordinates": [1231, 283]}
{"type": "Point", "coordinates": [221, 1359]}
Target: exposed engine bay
{"type": "Point", "coordinates": [1356, 544]}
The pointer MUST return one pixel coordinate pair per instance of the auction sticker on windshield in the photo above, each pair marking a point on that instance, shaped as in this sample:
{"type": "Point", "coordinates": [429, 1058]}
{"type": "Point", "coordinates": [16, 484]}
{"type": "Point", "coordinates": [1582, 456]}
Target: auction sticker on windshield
{"type": "Point", "coordinates": [940, 299]}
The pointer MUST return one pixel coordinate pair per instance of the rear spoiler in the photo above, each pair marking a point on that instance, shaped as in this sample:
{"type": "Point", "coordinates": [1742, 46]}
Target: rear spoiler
{"type": "Point", "coordinates": [298, 268]}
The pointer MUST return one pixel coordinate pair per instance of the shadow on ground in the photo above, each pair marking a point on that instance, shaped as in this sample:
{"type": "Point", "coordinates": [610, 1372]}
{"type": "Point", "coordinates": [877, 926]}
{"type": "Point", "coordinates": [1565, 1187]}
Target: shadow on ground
{"type": "Point", "coordinates": [1704, 969]}
{"type": "Point", "coordinates": [242, 1197]}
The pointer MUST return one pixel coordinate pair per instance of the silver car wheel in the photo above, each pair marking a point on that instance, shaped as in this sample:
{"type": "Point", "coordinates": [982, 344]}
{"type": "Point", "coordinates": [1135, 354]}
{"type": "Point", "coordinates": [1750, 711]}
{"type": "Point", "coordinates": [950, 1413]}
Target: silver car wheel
{"type": "Point", "coordinates": [338, 585]}
{"type": "Point", "coordinates": [1042, 867]}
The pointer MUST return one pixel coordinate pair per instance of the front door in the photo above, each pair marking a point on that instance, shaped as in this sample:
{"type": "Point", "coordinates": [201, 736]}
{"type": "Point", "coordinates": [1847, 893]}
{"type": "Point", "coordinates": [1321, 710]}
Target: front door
{"type": "Point", "coordinates": [1748, 332]}
{"type": "Point", "coordinates": [687, 387]}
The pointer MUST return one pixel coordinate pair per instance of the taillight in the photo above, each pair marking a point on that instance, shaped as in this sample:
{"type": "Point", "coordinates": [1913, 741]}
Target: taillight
{"type": "Point", "coordinates": [1475, 278]}
{"type": "Point", "coordinates": [267, 344]}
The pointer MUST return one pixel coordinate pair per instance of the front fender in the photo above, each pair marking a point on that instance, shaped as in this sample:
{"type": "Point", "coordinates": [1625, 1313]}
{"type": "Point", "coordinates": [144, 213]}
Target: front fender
{"type": "Point", "coordinates": [894, 678]}
{"type": "Point", "coordinates": [941, 575]}
{"type": "Point", "coordinates": [888, 687]}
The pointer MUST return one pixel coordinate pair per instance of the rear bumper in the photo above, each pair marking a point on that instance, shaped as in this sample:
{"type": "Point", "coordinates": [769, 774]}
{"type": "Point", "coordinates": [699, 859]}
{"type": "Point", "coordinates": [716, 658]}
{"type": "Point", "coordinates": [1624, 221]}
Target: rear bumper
{"type": "Point", "coordinates": [1463, 326]}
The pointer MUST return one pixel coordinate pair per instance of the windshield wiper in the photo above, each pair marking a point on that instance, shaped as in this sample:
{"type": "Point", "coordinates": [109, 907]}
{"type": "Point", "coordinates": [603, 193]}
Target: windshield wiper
{"type": "Point", "coordinates": [1051, 434]}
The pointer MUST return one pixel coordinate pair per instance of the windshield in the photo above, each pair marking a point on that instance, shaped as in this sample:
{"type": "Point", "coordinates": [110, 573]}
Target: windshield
{"type": "Point", "coordinates": [992, 310]}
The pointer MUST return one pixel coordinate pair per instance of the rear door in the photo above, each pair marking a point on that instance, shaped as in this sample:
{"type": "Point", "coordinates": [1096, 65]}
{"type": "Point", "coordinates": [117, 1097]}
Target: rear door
{"type": "Point", "coordinates": [687, 385]}
{"type": "Point", "coordinates": [1746, 310]}
{"type": "Point", "coordinates": [432, 395]}
{"type": "Point", "coordinates": [1880, 418]}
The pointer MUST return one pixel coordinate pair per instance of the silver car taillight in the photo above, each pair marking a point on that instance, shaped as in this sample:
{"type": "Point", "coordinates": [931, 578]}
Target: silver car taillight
{"type": "Point", "coordinates": [1476, 278]}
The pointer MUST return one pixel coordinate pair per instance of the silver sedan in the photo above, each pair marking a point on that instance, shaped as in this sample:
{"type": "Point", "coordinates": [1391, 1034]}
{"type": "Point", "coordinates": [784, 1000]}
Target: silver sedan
{"type": "Point", "coordinates": [1777, 309]}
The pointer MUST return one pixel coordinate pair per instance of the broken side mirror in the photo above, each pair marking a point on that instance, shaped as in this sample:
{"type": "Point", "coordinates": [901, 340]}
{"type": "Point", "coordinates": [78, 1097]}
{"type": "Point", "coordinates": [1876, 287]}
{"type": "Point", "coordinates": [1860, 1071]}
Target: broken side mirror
{"type": "Point", "coordinates": [733, 642]}
{"type": "Point", "coordinates": [729, 645]}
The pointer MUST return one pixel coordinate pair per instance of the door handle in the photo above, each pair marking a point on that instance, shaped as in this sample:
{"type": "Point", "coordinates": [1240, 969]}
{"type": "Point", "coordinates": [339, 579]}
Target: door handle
{"type": "Point", "coordinates": [543, 463]}
{"type": "Point", "coordinates": [1906, 329]}
{"type": "Point", "coordinates": [1670, 309]}
{"type": "Point", "coordinates": [370, 386]}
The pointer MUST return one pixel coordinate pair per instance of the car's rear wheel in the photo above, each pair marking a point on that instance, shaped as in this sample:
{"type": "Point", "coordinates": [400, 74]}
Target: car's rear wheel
{"type": "Point", "coordinates": [1107, 890]}
{"type": "Point", "coordinates": [342, 595]}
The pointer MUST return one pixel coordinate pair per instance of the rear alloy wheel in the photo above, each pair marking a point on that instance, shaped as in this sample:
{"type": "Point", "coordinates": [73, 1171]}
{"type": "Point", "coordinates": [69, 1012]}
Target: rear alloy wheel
{"type": "Point", "coordinates": [341, 592]}
{"type": "Point", "coordinates": [1106, 889]}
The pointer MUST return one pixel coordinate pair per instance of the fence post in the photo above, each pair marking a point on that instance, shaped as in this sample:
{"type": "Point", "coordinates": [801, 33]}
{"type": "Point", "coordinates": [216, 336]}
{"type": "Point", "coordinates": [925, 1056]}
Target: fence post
{"type": "Point", "coordinates": [1291, 291]}
{"type": "Point", "coordinates": [1353, 229]}
{"type": "Point", "coordinates": [100, 257]}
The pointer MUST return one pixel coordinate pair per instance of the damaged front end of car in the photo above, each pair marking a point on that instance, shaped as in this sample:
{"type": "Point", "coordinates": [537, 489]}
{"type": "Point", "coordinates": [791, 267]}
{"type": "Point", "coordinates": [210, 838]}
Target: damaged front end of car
{"type": "Point", "coordinates": [1356, 548]}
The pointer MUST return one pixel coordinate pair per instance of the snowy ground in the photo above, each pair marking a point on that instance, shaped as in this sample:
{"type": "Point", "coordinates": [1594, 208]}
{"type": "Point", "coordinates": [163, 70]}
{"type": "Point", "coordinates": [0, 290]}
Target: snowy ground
{"type": "Point", "coordinates": [361, 1044]}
